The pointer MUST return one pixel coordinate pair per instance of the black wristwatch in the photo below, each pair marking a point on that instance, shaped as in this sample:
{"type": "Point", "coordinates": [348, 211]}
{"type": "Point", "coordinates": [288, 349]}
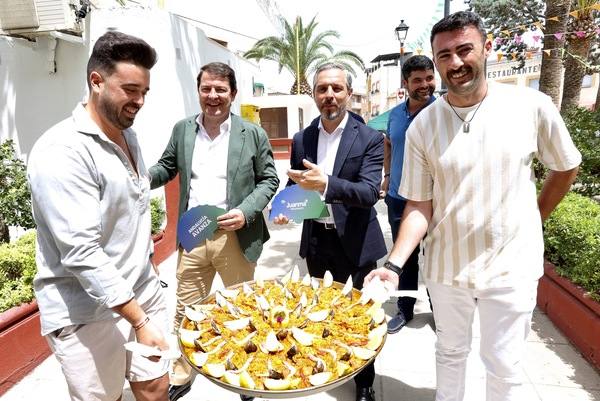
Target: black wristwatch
{"type": "Point", "coordinates": [395, 268]}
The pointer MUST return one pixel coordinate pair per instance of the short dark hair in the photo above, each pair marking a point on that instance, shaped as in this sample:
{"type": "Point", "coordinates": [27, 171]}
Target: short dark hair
{"type": "Point", "coordinates": [333, 66]}
{"type": "Point", "coordinates": [114, 47]}
{"type": "Point", "coordinates": [221, 70]}
{"type": "Point", "coordinates": [416, 63]}
{"type": "Point", "coordinates": [458, 20]}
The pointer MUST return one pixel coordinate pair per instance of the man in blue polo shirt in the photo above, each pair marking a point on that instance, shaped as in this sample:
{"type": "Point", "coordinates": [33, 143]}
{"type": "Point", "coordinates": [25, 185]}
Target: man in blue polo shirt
{"type": "Point", "coordinates": [419, 80]}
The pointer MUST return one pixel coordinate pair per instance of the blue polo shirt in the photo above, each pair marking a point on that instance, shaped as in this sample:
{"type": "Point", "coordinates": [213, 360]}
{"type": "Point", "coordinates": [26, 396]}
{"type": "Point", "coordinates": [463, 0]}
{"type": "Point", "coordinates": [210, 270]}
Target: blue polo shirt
{"type": "Point", "coordinates": [398, 123]}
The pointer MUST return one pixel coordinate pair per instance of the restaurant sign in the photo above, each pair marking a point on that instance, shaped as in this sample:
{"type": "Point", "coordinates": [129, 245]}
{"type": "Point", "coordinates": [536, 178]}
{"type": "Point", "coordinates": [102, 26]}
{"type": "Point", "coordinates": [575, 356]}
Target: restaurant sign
{"type": "Point", "coordinates": [508, 71]}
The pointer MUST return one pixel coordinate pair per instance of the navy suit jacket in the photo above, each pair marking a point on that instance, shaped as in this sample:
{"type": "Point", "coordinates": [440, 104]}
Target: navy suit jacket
{"type": "Point", "coordinates": [352, 190]}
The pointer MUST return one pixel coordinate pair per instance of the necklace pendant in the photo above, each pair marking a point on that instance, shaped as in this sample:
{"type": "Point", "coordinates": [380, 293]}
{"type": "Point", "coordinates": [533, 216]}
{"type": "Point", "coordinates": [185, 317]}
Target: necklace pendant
{"type": "Point", "coordinates": [466, 127]}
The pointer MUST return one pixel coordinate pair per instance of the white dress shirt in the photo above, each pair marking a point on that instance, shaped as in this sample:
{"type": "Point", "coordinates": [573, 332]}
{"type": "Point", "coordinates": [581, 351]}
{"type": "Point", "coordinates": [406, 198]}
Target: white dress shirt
{"type": "Point", "coordinates": [208, 185]}
{"type": "Point", "coordinates": [327, 148]}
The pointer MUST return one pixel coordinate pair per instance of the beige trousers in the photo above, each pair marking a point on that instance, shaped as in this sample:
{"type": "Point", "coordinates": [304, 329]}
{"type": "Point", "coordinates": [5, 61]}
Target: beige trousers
{"type": "Point", "coordinates": [93, 359]}
{"type": "Point", "coordinates": [195, 273]}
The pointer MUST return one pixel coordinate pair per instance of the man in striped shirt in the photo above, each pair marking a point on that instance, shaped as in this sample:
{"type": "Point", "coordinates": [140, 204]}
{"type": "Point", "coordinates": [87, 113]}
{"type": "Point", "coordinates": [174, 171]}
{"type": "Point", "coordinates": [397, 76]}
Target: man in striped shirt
{"type": "Point", "coordinates": [470, 187]}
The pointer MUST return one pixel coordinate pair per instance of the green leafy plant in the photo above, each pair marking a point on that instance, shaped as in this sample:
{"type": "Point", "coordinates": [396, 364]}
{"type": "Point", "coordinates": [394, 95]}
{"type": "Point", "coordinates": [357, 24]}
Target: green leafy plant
{"type": "Point", "coordinates": [17, 269]}
{"type": "Point", "coordinates": [15, 198]}
{"type": "Point", "coordinates": [584, 126]}
{"type": "Point", "coordinates": [572, 240]}
{"type": "Point", "coordinates": [157, 213]}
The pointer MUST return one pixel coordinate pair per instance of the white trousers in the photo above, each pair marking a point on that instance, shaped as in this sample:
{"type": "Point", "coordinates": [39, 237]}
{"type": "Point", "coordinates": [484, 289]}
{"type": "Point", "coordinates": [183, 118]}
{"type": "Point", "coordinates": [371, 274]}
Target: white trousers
{"type": "Point", "coordinates": [505, 321]}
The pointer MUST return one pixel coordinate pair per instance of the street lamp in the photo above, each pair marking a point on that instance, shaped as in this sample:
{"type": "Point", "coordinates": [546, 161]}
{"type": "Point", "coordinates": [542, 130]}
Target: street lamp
{"type": "Point", "coordinates": [401, 32]}
{"type": "Point", "coordinates": [443, 88]}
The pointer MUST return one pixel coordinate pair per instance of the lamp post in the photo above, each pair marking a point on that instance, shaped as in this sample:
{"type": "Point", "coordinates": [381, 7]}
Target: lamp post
{"type": "Point", "coordinates": [401, 32]}
{"type": "Point", "coordinates": [443, 88]}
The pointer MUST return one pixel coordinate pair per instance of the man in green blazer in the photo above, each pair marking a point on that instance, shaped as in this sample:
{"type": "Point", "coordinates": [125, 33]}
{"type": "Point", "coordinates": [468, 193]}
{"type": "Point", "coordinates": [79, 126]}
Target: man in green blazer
{"type": "Point", "coordinates": [226, 162]}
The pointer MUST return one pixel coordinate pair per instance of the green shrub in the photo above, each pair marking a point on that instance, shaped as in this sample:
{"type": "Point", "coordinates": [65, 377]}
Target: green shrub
{"type": "Point", "coordinates": [17, 269]}
{"type": "Point", "coordinates": [584, 126]}
{"type": "Point", "coordinates": [15, 198]}
{"type": "Point", "coordinates": [28, 239]}
{"type": "Point", "coordinates": [572, 240]}
{"type": "Point", "coordinates": [157, 213]}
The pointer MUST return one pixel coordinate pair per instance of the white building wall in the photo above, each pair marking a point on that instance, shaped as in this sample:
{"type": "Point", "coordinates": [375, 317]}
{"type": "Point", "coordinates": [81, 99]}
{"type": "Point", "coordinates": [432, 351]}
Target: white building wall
{"type": "Point", "coordinates": [34, 98]}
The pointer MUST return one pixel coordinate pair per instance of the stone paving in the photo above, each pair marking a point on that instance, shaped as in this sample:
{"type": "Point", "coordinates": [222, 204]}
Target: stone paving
{"type": "Point", "coordinates": [553, 370]}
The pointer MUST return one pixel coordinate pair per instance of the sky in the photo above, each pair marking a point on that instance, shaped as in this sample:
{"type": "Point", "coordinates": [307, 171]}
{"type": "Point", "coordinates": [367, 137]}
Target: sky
{"type": "Point", "coordinates": [367, 28]}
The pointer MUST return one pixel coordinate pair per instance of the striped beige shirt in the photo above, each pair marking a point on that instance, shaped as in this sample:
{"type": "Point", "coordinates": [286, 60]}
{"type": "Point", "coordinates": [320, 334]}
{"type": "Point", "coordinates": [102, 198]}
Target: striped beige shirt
{"type": "Point", "coordinates": [486, 230]}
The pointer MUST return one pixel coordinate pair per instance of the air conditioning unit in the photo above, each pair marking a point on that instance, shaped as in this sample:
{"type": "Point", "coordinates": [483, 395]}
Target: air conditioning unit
{"type": "Point", "coordinates": [31, 17]}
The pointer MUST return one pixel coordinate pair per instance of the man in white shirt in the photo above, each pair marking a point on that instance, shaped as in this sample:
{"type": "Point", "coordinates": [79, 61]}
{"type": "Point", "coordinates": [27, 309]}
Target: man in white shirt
{"type": "Point", "coordinates": [342, 159]}
{"type": "Point", "coordinates": [224, 161]}
{"type": "Point", "coordinates": [469, 184]}
{"type": "Point", "coordinates": [95, 284]}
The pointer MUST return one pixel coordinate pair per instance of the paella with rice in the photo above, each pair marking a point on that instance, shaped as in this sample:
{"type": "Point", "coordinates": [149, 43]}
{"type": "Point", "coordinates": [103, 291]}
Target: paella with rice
{"type": "Point", "coordinates": [283, 335]}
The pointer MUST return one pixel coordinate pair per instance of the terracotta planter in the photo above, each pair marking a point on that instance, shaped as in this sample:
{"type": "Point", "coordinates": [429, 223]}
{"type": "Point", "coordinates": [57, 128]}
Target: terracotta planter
{"type": "Point", "coordinates": [575, 314]}
{"type": "Point", "coordinates": [21, 345]}
{"type": "Point", "coordinates": [158, 236]}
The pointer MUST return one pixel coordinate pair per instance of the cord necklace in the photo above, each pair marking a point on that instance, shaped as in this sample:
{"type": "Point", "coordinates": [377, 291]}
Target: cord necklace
{"type": "Point", "coordinates": [467, 123]}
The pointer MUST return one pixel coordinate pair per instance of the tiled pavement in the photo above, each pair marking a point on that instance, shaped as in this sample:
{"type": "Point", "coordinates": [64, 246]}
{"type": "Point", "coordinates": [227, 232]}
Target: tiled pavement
{"type": "Point", "coordinates": [553, 369]}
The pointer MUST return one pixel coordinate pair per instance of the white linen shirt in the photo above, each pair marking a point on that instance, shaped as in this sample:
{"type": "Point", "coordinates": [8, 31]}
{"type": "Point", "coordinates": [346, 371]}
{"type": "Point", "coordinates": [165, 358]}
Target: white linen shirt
{"type": "Point", "coordinates": [208, 184]}
{"type": "Point", "coordinates": [327, 148]}
{"type": "Point", "coordinates": [485, 230]}
{"type": "Point", "coordinates": [93, 223]}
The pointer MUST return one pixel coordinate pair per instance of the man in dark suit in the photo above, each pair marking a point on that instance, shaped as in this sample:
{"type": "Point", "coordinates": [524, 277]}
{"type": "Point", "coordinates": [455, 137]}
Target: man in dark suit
{"type": "Point", "coordinates": [227, 162]}
{"type": "Point", "coordinates": [342, 159]}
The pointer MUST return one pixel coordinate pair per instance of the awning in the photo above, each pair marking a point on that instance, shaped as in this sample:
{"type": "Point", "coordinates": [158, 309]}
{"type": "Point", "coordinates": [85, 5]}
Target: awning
{"type": "Point", "coordinates": [380, 122]}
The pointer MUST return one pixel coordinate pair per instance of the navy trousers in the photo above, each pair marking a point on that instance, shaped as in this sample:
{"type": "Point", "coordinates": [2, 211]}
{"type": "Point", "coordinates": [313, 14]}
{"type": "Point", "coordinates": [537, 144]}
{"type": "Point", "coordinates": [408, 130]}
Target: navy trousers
{"type": "Point", "coordinates": [325, 252]}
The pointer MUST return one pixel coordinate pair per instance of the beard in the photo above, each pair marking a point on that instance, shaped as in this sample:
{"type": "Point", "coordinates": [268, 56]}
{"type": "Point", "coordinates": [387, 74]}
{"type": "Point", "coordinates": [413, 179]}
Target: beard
{"type": "Point", "coordinates": [417, 96]}
{"type": "Point", "coordinates": [332, 114]}
{"type": "Point", "coordinates": [110, 112]}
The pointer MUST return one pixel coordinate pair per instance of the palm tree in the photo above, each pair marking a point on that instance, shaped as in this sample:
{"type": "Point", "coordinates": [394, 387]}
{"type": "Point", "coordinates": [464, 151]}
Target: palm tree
{"type": "Point", "coordinates": [578, 49]}
{"type": "Point", "coordinates": [551, 70]}
{"type": "Point", "coordinates": [301, 50]}
{"type": "Point", "coordinates": [594, 67]}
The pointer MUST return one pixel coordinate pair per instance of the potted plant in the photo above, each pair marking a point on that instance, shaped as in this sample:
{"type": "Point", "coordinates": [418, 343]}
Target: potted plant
{"type": "Point", "coordinates": [569, 291]}
{"type": "Point", "coordinates": [158, 213]}
{"type": "Point", "coordinates": [19, 316]}
{"type": "Point", "coordinates": [164, 222]}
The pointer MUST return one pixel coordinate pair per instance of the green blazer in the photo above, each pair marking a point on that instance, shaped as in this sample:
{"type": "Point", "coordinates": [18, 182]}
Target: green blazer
{"type": "Point", "coordinates": [251, 175]}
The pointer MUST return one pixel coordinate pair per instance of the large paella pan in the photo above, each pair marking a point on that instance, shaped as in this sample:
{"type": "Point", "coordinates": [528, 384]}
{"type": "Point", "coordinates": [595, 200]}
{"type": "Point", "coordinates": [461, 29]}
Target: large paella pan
{"type": "Point", "coordinates": [283, 338]}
